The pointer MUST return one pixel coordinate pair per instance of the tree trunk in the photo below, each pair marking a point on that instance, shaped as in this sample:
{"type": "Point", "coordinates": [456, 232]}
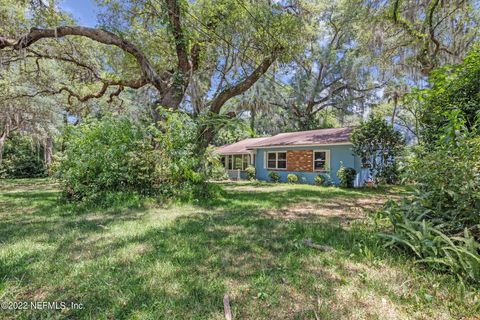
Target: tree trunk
{"type": "Point", "coordinates": [2, 143]}
{"type": "Point", "coordinates": [395, 104]}
{"type": "Point", "coordinates": [253, 114]}
{"type": "Point", "coordinates": [48, 151]}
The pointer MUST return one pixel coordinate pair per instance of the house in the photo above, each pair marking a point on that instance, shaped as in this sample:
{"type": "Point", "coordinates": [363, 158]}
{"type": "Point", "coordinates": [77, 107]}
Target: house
{"type": "Point", "coordinates": [306, 154]}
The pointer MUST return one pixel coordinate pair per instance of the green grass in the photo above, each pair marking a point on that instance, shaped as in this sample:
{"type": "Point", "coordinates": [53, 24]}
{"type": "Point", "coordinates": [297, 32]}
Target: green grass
{"type": "Point", "coordinates": [178, 262]}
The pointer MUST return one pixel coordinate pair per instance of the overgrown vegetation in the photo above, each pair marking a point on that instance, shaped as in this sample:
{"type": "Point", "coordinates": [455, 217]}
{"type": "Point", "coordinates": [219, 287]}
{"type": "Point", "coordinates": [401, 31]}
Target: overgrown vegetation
{"type": "Point", "coordinates": [346, 176]}
{"type": "Point", "coordinates": [378, 145]}
{"type": "Point", "coordinates": [440, 222]}
{"type": "Point", "coordinates": [107, 156]}
{"type": "Point", "coordinates": [453, 88]}
{"type": "Point", "coordinates": [116, 155]}
{"type": "Point", "coordinates": [22, 158]}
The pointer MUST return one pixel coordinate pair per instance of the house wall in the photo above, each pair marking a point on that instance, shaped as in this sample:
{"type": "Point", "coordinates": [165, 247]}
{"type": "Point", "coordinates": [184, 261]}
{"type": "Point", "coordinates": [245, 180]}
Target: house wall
{"type": "Point", "coordinates": [300, 162]}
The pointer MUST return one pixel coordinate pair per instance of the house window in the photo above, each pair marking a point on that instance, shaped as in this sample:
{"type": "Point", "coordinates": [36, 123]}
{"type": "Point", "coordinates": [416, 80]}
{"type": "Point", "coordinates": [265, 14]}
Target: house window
{"type": "Point", "coordinates": [277, 160]}
{"type": "Point", "coordinates": [237, 162]}
{"type": "Point", "coordinates": [321, 160]}
{"type": "Point", "coordinates": [246, 159]}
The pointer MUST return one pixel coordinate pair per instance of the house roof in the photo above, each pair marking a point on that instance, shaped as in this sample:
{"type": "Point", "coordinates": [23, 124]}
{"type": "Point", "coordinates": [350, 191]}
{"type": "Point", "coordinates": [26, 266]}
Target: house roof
{"type": "Point", "coordinates": [311, 137]}
{"type": "Point", "coordinates": [239, 147]}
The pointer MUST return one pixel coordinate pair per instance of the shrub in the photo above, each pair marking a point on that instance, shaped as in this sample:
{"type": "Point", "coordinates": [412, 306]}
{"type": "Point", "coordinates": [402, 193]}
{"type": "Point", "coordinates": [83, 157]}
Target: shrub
{"type": "Point", "coordinates": [250, 170]}
{"type": "Point", "coordinates": [439, 222]}
{"type": "Point", "coordinates": [346, 176]}
{"type": "Point", "coordinates": [323, 180]}
{"type": "Point", "coordinates": [216, 170]}
{"type": "Point", "coordinates": [111, 155]}
{"type": "Point", "coordinates": [378, 145]}
{"type": "Point", "coordinates": [447, 181]}
{"type": "Point", "coordinates": [21, 159]}
{"type": "Point", "coordinates": [451, 87]}
{"type": "Point", "coordinates": [292, 178]}
{"type": "Point", "coordinates": [319, 180]}
{"type": "Point", "coordinates": [457, 255]}
{"type": "Point", "coordinates": [274, 176]}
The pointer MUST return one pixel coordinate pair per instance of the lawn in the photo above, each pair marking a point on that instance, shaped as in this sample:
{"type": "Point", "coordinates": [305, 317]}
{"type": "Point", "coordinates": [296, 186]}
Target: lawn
{"type": "Point", "coordinates": [178, 262]}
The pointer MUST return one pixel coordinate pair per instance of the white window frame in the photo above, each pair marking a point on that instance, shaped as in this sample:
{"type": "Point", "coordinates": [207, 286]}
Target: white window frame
{"type": "Point", "coordinates": [276, 160]}
{"type": "Point", "coordinates": [231, 158]}
{"type": "Point", "coordinates": [327, 161]}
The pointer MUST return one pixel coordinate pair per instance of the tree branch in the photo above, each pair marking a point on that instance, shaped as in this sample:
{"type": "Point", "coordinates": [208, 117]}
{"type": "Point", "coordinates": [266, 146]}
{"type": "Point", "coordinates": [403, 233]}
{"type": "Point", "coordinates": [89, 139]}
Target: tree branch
{"type": "Point", "coordinates": [244, 85]}
{"type": "Point", "coordinates": [98, 35]}
{"type": "Point", "coordinates": [135, 84]}
{"type": "Point", "coordinates": [180, 41]}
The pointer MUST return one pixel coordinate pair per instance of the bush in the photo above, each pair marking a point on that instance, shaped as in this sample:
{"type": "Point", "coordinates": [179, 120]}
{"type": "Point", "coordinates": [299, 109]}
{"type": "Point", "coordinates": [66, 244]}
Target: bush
{"type": "Point", "coordinates": [216, 170]}
{"type": "Point", "coordinates": [107, 156]}
{"type": "Point", "coordinates": [378, 145]}
{"type": "Point", "coordinates": [439, 222]}
{"type": "Point", "coordinates": [447, 182]}
{"type": "Point", "coordinates": [274, 176]}
{"type": "Point", "coordinates": [457, 255]}
{"type": "Point", "coordinates": [21, 159]}
{"type": "Point", "coordinates": [323, 180]}
{"type": "Point", "coordinates": [346, 176]}
{"type": "Point", "coordinates": [250, 170]}
{"type": "Point", "coordinates": [292, 178]}
{"type": "Point", "coordinates": [451, 87]}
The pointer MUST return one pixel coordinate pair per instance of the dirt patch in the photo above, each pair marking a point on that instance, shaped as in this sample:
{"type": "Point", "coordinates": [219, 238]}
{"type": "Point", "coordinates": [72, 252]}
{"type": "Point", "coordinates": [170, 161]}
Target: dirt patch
{"type": "Point", "coordinates": [345, 210]}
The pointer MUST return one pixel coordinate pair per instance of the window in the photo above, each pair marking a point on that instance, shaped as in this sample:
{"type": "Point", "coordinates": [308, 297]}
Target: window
{"type": "Point", "coordinates": [321, 160]}
{"type": "Point", "coordinates": [246, 161]}
{"type": "Point", "coordinates": [237, 162]}
{"type": "Point", "coordinates": [277, 160]}
{"type": "Point", "coordinates": [223, 160]}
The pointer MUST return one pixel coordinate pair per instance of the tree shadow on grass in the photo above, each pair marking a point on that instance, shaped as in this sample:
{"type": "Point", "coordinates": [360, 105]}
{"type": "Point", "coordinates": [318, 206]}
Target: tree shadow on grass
{"type": "Point", "coordinates": [182, 269]}
{"type": "Point", "coordinates": [189, 265]}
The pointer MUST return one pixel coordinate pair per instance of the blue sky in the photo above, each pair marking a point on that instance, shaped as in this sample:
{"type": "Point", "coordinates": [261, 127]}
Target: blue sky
{"type": "Point", "coordinates": [84, 11]}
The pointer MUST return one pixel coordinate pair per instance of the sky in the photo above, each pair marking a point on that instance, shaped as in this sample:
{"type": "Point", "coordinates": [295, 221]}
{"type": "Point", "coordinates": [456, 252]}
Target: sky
{"type": "Point", "coordinates": [84, 11]}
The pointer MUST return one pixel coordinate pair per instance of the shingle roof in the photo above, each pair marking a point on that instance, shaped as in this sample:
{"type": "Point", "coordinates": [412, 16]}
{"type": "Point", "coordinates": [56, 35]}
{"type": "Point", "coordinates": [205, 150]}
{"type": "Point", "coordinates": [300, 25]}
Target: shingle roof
{"type": "Point", "coordinates": [312, 137]}
{"type": "Point", "coordinates": [239, 147]}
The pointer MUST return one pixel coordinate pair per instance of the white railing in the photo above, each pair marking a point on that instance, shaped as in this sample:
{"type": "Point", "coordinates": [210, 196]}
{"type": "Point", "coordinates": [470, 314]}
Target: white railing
{"type": "Point", "coordinates": [234, 174]}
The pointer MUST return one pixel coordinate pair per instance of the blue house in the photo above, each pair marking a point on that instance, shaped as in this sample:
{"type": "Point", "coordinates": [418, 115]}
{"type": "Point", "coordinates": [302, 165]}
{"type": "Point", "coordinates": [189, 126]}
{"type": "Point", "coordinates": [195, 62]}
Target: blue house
{"type": "Point", "coordinates": [306, 154]}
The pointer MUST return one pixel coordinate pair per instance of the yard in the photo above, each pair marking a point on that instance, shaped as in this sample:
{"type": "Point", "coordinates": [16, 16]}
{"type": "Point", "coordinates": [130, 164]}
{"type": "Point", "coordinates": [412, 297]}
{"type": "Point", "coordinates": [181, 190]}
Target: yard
{"type": "Point", "coordinates": [178, 262]}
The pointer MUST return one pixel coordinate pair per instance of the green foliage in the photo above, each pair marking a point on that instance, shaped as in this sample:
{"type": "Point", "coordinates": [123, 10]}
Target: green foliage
{"type": "Point", "coordinates": [217, 171]}
{"type": "Point", "coordinates": [447, 180]}
{"type": "Point", "coordinates": [346, 176]}
{"type": "Point", "coordinates": [453, 87]}
{"type": "Point", "coordinates": [319, 180]}
{"type": "Point", "coordinates": [108, 155]}
{"type": "Point", "coordinates": [184, 169]}
{"type": "Point", "coordinates": [323, 180]}
{"type": "Point", "coordinates": [440, 221]}
{"type": "Point", "coordinates": [455, 254]}
{"type": "Point", "coordinates": [274, 176]}
{"type": "Point", "coordinates": [22, 158]}
{"type": "Point", "coordinates": [292, 178]}
{"type": "Point", "coordinates": [116, 155]}
{"type": "Point", "coordinates": [232, 131]}
{"type": "Point", "coordinates": [378, 145]}
{"type": "Point", "coordinates": [250, 170]}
